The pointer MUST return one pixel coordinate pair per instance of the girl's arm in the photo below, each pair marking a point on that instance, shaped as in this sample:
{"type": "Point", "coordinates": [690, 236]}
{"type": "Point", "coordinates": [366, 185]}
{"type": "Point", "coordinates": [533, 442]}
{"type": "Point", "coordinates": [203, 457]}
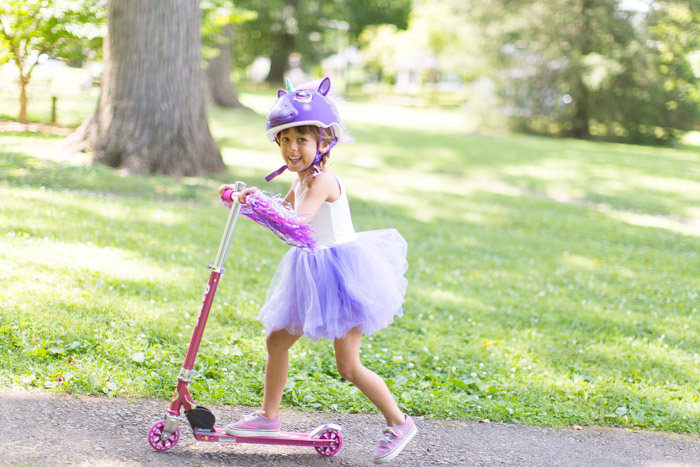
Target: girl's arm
{"type": "Point", "coordinates": [290, 194]}
{"type": "Point", "coordinates": [325, 187]}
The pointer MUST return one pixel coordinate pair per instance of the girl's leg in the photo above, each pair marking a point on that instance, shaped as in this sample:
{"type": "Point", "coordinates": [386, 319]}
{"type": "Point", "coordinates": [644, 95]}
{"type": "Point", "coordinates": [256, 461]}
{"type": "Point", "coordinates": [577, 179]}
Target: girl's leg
{"type": "Point", "coordinates": [276, 369]}
{"type": "Point", "coordinates": [347, 356]}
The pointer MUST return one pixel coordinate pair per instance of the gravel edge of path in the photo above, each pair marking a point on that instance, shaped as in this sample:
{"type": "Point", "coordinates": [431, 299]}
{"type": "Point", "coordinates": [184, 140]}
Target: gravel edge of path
{"type": "Point", "coordinates": [45, 429]}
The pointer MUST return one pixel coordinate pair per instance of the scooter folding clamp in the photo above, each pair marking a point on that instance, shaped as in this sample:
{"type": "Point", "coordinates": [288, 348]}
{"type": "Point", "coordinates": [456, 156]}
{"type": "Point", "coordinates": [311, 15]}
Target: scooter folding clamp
{"type": "Point", "coordinates": [185, 375]}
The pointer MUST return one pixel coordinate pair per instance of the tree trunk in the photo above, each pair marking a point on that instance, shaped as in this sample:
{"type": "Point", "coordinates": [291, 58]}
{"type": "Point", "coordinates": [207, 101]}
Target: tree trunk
{"type": "Point", "coordinates": [279, 59]}
{"type": "Point", "coordinates": [22, 117]}
{"type": "Point", "coordinates": [283, 43]}
{"type": "Point", "coordinates": [151, 113]}
{"type": "Point", "coordinates": [220, 89]}
{"type": "Point", "coordinates": [581, 125]}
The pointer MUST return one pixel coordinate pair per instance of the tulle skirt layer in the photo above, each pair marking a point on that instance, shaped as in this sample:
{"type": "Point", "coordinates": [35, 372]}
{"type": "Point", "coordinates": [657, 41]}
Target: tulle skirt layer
{"type": "Point", "coordinates": [326, 293]}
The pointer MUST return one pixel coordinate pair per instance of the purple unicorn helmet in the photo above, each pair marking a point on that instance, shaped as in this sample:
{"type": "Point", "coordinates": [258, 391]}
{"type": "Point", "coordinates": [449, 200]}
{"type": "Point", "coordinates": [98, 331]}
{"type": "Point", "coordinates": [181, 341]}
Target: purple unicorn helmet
{"type": "Point", "coordinates": [304, 107]}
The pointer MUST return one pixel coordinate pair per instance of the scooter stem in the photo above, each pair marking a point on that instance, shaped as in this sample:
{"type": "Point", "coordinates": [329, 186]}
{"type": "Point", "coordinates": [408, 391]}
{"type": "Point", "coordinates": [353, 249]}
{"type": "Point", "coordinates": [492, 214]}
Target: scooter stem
{"type": "Point", "coordinates": [228, 232]}
{"type": "Point", "coordinates": [182, 396]}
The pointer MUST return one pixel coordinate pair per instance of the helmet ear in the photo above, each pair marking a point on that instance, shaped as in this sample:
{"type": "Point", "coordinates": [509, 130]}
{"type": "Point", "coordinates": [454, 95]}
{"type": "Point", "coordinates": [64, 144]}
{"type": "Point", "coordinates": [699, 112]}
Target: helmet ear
{"type": "Point", "coordinates": [281, 92]}
{"type": "Point", "coordinates": [325, 86]}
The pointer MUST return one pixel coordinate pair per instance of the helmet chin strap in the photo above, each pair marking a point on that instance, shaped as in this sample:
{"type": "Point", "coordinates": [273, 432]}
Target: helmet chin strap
{"type": "Point", "coordinates": [277, 172]}
{"type": "Point", "coordinates": [317, 159]}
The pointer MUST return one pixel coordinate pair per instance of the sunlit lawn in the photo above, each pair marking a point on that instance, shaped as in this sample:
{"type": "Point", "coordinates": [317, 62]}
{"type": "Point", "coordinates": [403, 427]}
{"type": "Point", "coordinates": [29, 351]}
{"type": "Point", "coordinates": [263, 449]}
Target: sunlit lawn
{"type": "Point", "coordinates": [552, 282]}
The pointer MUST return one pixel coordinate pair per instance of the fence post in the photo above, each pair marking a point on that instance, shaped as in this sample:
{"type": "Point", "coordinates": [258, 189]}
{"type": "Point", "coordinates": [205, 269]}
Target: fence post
{"type": "Point", "coordinates": [53, 108]}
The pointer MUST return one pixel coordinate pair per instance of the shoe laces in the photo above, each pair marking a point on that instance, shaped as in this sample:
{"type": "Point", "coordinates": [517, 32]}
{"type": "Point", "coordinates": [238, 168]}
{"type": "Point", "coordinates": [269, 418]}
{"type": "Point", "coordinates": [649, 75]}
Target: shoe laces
{"type": "Point", "coordinates": [388, 435]}
{"type": "Point", "coordinates": [254, 416]}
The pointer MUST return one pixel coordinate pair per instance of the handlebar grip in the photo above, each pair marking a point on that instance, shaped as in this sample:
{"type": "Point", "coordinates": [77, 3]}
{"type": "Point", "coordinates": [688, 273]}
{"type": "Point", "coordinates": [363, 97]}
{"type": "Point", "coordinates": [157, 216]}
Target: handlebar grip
{"type": "Point", "coordinates": [228, 195]}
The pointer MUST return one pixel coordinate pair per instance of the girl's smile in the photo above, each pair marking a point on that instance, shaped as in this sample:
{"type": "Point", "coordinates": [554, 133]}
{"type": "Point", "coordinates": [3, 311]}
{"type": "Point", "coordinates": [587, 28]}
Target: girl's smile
{"type": "Point", "coordinates": [298, 149]}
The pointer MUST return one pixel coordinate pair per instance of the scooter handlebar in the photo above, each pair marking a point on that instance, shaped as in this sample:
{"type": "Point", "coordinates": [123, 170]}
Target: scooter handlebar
{"type": "Point", "coordinates": [227, 195]}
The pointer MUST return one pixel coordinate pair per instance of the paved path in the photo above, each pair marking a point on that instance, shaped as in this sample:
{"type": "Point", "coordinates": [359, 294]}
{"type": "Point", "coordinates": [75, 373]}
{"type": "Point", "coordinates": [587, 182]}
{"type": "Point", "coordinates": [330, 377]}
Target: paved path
{"type": "Point", "coordinates": [41, 429]}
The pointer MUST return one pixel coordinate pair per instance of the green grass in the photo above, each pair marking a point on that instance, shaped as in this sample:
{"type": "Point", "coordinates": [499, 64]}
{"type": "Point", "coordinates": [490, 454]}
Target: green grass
{"type": "Point", "coordinates": [552, 282]}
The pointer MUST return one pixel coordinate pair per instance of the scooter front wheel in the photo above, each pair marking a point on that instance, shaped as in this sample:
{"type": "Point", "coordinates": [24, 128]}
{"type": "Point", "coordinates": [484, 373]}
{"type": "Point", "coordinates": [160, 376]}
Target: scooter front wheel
{"type": "Point", "coordinates": [336, 443]}
{"type": "Point", "coordinates": [154, 437]}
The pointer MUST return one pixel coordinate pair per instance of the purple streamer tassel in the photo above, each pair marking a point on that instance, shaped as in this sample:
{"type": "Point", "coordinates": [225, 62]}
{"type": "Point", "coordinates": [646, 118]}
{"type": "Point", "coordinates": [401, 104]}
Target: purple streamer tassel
{"type": "Point", "coordinates": [275, 214]}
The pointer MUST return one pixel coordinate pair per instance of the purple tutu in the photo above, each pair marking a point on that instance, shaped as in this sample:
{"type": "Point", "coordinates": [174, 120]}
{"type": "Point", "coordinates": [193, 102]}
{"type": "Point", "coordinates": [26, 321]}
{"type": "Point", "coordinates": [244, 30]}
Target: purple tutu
{"type": "Point", "coordinates": [359, 283]}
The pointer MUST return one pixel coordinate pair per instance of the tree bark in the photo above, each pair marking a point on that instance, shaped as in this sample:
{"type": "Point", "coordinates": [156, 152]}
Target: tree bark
{"type": "Point", "coordinates": [151, 115]}
{"type": "Point", "coordinates": [220, 89]}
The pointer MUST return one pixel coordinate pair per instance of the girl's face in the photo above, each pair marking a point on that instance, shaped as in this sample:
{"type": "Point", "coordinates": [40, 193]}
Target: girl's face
{"type": "Point", "coordinates": [298, 149]}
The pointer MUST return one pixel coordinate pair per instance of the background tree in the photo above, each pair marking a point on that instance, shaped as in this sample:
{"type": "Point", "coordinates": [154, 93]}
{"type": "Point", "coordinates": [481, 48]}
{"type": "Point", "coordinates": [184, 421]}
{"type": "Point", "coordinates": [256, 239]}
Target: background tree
{"type": "Point", "coordinates": [557, 56]}
{"type": "Point", "coordinates": [310, 28]}
{"type": "Point", "coordinates": [219, 17]}
{"type": "Point", "coordinates": [151, 112]}
{"type": "Point", "coordinates": [674, 37]}
{"type": "Point", "coordinates": [30, 29]}
{"type": "Point", "coordinates": [587, 68]}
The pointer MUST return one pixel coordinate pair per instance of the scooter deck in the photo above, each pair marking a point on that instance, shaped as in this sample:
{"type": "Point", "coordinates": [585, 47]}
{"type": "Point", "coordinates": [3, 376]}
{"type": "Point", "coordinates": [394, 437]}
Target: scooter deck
{"type": "Point", "coordinates": [285, 438]}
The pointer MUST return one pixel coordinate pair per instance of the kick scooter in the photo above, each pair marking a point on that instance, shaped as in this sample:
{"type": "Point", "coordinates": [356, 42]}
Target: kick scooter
{"type": "Point", "coordinates": [164, 434]}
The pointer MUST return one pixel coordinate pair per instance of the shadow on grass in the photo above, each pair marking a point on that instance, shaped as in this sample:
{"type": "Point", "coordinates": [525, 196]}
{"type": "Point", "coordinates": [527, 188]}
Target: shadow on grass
{"type": "Point", "coordinates": [635, 178]}
{"type": "Point", "coordinates": [18, 169]}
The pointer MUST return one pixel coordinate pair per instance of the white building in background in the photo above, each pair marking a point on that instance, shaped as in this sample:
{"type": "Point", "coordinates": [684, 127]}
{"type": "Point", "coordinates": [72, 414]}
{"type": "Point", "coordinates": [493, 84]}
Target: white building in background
{"type": "Point", "coordinates": [414, 67]}
{"type": "Point", "coordinates": [340, 66]}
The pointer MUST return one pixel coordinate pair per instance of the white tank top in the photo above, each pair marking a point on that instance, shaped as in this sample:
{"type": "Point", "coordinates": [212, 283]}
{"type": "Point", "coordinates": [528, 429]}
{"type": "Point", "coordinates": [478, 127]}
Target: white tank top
{"type": "Point", "coordinates": [332, 222]}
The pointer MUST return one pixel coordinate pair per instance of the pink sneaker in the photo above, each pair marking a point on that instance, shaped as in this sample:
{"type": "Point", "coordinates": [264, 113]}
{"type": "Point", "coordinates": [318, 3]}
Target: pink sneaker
{"type": "Point", "coordinates": [395, 438]}
{"type": "Point", "coordinates": [255, 424]}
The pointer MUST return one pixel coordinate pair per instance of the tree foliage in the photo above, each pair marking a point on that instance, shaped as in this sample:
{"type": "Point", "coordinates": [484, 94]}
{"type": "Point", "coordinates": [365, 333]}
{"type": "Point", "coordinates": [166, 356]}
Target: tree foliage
{"type": "Point", "coordinates": [29, 29]}
{"type": "Point", "coordinates": [310, 28]}
{"type": "Point", "coordinates": [674, 36]}
{"type": "Point", "coordinates": [436, 30]}
{"type": "Point", "coordinates": [216, 16]}
{"type": "Point", "coordinates": [588, 68]}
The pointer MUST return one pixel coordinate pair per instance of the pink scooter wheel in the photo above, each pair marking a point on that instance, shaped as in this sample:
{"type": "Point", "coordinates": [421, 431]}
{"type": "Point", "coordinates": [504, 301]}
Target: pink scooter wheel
{"type": "Point", "coordinates": [156, 442]}
{"type": "Point", "coordinates": [335, 446]}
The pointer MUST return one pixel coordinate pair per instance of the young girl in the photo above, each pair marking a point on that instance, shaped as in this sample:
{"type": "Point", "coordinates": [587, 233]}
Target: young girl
{"type": "Point", "coordinates": [352, 285]}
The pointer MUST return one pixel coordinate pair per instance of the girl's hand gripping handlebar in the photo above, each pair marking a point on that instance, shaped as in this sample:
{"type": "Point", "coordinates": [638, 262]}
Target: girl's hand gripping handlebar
{"type": "Point", "coordinates": [227, 195]}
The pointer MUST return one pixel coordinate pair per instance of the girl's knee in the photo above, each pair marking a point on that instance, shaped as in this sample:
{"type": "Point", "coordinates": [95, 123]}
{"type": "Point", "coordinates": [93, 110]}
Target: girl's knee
{"type": "Point", "coordinates": [349, 370]}
{"type": "Point", "coordinates": [279, 341]}
{"type": "Point", "coordinates": [274, 347]}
